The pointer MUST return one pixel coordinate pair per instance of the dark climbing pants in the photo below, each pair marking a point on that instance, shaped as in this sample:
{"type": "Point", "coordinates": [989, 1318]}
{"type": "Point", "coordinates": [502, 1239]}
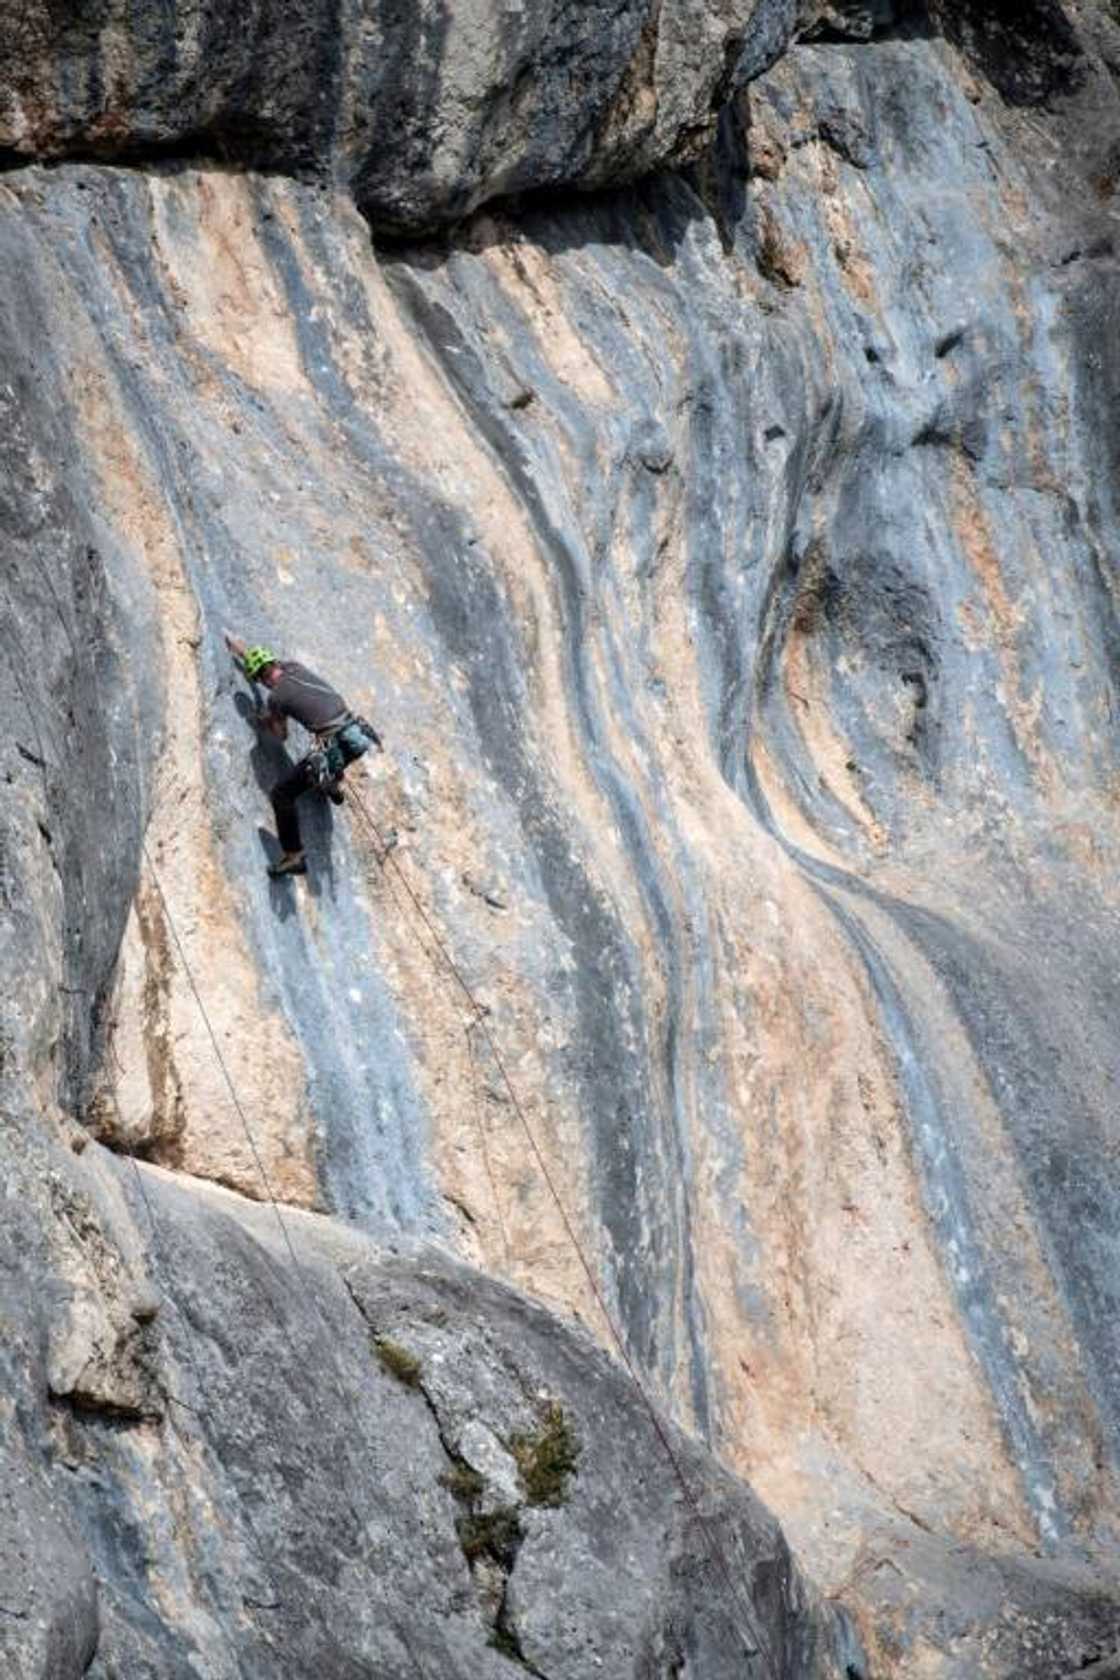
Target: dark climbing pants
{"type": "Point", "coordinates": [284, 796]}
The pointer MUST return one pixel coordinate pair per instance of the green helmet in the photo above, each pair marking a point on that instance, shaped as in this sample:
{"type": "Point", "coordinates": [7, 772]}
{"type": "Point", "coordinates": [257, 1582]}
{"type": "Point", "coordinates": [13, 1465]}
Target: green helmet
{"type": "Point", "coordinates": [256, 660]}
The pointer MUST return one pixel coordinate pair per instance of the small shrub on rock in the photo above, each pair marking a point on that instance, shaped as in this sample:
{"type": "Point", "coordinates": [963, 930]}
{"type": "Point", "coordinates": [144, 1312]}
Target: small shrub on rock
{"type": "Point", "coordinates": [496, 1535]}
{"type": "Point", "coordinates": [546, 1459]}
{"type": "Point", "coordinates": [398, 1361]}
{"type": "Point", "coordinates": [463, 1483]}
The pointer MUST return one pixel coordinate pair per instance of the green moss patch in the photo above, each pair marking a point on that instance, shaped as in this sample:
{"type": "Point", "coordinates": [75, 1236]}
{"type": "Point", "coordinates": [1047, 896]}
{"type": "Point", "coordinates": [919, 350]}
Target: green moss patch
{"type": "Point", "coordinates": [398, 1361]}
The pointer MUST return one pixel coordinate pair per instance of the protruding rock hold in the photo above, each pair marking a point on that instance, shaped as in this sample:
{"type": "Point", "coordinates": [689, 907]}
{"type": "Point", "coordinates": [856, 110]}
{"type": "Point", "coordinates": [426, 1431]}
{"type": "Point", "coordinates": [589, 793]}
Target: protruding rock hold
{"type": "Point", "coordinates": [424, 112]}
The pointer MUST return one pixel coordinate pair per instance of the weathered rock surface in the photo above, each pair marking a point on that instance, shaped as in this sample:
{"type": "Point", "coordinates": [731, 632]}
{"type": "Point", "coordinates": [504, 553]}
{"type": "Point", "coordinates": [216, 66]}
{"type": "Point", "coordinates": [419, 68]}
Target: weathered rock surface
{"type": "Point", "coordinates": [424, 110]}
{"type": "Point", "coordinates": [292, 1505]}
{"type": "Point", "coordinates": [730, 564]}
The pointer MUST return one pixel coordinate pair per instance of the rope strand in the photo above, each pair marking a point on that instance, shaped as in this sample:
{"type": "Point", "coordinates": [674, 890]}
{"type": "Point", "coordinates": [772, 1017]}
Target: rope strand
{"type": "Point", "coordinates": [387, 859]}
{"type": "Point", "coordinates": [328, 1327]}
{"type": "Point", "coordinates": [484, 1145]}
{"type": "Point", "coordinates": [320, 1310]}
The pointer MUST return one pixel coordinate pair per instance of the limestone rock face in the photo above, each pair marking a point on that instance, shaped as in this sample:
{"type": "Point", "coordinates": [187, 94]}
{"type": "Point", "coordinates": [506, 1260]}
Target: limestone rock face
{"type": "Point", "coordinates": [335, 1486]}
{"type": "Point", "coordinates": [729, 563]}
{"type": "Point", "coordinates": [424, 109]}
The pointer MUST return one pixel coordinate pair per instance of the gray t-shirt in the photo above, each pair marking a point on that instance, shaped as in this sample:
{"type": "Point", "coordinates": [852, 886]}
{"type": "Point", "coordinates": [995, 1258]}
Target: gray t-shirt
{"type": "Point", "coordinates": [300, 694]}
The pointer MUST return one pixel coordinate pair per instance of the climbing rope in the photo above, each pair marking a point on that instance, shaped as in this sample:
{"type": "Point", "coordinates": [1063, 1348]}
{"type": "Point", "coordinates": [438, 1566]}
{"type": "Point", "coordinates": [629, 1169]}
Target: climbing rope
{"type": "Point", "coordinates": [388, 860]}
{"type": "Point", "coordinates": [270, 1194]}
{"type": "Point", "coordinates": [476, 1107]}
{"type": "Point", "coordinates": [476, 1023]}
{"type": "Point", "coordinates": [329, 1328]}
{"type": "Point", "coordinates": [221, 1061]}
{"type": "Point", "coordinates": [201, 1413]}
{"type": "Point", "coordinates": [319, 1309]}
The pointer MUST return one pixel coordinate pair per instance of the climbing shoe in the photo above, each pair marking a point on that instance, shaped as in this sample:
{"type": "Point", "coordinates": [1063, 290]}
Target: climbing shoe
{"type": "Point", "coordinates": [291, 863]}
{"type": "Point", "coordinates": [335, 794]}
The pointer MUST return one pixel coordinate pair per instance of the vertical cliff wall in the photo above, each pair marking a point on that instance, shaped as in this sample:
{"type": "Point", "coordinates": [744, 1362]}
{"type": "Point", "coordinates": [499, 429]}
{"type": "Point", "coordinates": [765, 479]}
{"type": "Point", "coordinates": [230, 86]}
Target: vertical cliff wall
{"type": "Point", "coordinates": [729, 562]}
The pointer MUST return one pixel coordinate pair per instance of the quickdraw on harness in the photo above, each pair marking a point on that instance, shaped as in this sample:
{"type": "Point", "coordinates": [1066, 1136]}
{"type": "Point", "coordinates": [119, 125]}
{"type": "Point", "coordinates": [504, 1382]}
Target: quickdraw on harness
{"type": "Point", "coordinates": [338, 745]}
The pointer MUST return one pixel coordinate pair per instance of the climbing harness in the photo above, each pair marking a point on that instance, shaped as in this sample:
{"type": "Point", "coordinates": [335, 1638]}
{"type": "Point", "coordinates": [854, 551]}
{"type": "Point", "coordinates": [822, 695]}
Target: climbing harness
{"type": "Point", "coordinates": [337, 746]}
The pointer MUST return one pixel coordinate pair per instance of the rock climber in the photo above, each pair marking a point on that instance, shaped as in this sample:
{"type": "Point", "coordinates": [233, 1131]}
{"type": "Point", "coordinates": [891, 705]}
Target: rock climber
{"type": "Point", "coordinates": [339, 738]}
